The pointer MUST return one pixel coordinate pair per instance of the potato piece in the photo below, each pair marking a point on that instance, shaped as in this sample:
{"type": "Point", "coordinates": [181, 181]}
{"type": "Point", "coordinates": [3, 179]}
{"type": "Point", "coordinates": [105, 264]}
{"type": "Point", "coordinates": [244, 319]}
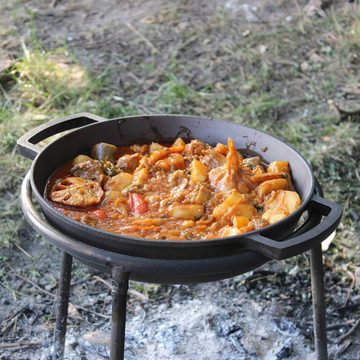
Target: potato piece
{"type": "Point", "coordinates": [178, 143]}
{"type": "Point", "coordinates": [230, 231]}
{"type": "Point", "coordinates": [81, 158]}
{"type": "Point", "coordinates": [230, 202]}
{"type": "Point", "coordinates": [280, 205]}
{"type": "Point", "coordinates": [272, 218]}
{"type": "Point", "coordinates": [243, 209]}
{"type": "Point", "coordinates": [199, 171]}
{"type": "Point", "coordinates": [240, 221]}
{"type": "Point", "coordinates": [268, 186]}
{"type": "Point", "coordinates": [140, 177]}
{"type": "Point", "coordinates": [284, 200]}
{"type": "Point", "coordinates": [279, 167]}
{"type": "Point", "coordinates": [155, 147]}
{"type": "Point", "coordinates": [119, 182]}
{"type": "Point", "coordinates": [188, 224]}
{"type": "Point", "coordinates": [177, 161]}
{"type": "Point", "coordinates": [187, 212]}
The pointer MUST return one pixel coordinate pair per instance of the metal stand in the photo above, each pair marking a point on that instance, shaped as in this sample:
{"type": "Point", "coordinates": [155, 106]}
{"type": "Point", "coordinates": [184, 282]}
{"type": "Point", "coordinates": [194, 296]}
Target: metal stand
{"type": "Point", "coordinates": [62, 306]}
{"type": "Point", "coordinates": [120, 285]}
{"type": "Point", "coordinates": [318, 297]}
{"type": "Point", "coordinates": [119, 295]}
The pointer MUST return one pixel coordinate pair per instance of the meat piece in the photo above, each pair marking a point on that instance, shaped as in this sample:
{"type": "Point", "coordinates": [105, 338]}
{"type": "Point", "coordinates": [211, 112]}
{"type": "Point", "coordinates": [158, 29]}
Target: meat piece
{"type": "Point", "coordinates": [76, 191]}
{"type": "Point", "coordinates": [195, 147]}
{"type": "Point", "coordinates": [252, 162]}
{"type": "Point", "coordinates": [91, 170]}
{"type": "Point", "coordinates": [213, 159]}
{"type": "Point", "coordinates": [129, 163]}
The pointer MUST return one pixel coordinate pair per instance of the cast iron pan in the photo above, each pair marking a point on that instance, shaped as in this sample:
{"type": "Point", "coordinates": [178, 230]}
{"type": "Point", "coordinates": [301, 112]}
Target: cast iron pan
{"type": "Point", "coordinates": [273, 241]}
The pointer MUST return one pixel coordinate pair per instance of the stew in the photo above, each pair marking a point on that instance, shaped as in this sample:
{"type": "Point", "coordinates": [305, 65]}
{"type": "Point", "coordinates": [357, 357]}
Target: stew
{"type": "Point", "coordinates": [173, 191]}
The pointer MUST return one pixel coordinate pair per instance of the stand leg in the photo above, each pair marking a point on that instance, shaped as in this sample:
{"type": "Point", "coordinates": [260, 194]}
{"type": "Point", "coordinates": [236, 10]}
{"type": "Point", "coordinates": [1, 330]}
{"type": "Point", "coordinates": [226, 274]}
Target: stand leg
{"type": "Point", "coordinates": [120, 286]}
{"type": "Point", "coordinates": [317, 287]}
{"type": "Point", "coordinates": [62, 306]}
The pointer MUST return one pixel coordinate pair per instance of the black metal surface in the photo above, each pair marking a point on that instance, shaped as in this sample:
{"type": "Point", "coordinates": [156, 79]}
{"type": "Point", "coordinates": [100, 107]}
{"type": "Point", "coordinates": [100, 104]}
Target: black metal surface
{"type": "Point", "coordinates": [62, 303]}
{"type": "Point", "coordinates": [120, 285]}
{"type": "Point", "coordinates": [27, 143]}
{"type": "Point", "coordinates": [164, 128]}
{"type": "Point", "coordinates": [318, 299]}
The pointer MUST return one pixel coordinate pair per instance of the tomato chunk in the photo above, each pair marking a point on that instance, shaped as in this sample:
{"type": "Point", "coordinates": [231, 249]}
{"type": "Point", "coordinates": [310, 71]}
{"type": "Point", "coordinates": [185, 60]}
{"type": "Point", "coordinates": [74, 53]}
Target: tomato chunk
{"type": "Point", "coordinates": [137, 204]}
{"type": "Point", "coordinates": [100, 214]}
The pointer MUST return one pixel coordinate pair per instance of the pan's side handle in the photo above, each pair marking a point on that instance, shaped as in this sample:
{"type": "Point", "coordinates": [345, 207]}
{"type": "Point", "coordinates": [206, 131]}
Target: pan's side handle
{"type": "Point", "coordinates": [27, 144]}
{"type": "Point", "coordinates": [274, 249]}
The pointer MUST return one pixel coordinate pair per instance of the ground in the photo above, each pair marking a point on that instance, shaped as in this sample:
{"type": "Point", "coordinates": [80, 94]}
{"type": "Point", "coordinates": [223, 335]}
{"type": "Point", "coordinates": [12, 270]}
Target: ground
{"type": "Point", "coordinates": [264, 64]}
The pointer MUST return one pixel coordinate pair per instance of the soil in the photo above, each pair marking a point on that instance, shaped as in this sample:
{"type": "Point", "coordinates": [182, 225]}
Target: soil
{"type": "Point", "coordinates": [264, 314]}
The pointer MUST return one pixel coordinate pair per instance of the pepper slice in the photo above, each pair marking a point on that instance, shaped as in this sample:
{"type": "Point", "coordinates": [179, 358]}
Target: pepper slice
{"type": "Point", "coordinates": [137, 204]}
{"type": "Point", "coordinates": [100, 214]}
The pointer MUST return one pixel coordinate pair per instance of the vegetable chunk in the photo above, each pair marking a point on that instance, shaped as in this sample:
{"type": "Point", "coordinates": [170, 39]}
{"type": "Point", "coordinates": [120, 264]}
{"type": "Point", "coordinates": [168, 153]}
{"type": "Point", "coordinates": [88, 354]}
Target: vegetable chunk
{"type": "Point", "coordinates": [119, 182]}
{"type": "Point", "coordinates": [76, 191]}
{"type": "Point", "coordinates": [268, 186]}
{"type": "Point", "coordinates": [281, 204]}
{"type": "Point", "coordinates": [187, 212]}
{"type": "Point", "coordinates": [198, 171]}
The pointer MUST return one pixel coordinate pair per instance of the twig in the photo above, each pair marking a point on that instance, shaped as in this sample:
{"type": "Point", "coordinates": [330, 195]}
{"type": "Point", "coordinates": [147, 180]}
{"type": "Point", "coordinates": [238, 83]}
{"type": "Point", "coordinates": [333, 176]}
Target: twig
{"type": "Point", "coordinates": [24, 251]}
{"type": "Point", "coordinates": [53, 3]}
{"type": "Point", "coordinates": [143, 38]}
{"type": "Point", "coordinates": [92, 311]}
{"type": "Point", "coordinates": [350, 332]}
{"type": "Point", "coordinates": [138, 295]}
{"type": "Point", "coordinates": [54, 296]}
{"type": "Point", "coordinates": [132, 292]}
{"type": "Point", "coordinates": [258, 275]}
{"type": "Point", "coordinates": [15, 326]}
{"type": "Point", "coordinates": [9, 321]}
{"type": "Point", "coordinates": [339, 325]}
{"type": "Point", "coordinates": [6, 96]}
{"type": "Point", "coordinates": [350, 288]}
{"type": "Point", "coordinates": [35, 285]}
{"type": "Point", "coordinates": [12, 291]}
{"type": "Point", "coordinates": [106, 283]}
{"type": "Point", "coordinates": [19, 345]}
{"type": "Point", "coordinates": [342, 348]}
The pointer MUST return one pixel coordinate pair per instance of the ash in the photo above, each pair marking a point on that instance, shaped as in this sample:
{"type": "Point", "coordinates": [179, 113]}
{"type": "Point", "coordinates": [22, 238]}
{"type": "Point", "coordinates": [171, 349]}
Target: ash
{"type": "Point", "coordinates": [224, 320]}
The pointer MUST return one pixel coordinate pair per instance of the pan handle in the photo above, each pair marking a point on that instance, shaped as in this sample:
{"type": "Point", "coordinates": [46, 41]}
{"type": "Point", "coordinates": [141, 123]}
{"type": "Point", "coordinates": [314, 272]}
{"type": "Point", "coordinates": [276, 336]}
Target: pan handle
{"type": "Point", "coordinates": [279, 250]}
{"type": "Point", "coordinates": [27, 144]}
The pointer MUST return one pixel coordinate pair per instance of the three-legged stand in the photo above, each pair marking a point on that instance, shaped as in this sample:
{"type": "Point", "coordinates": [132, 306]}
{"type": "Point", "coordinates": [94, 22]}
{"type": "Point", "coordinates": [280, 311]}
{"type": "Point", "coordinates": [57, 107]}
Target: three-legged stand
{"type": "Point", "coordinates": [120, 282]}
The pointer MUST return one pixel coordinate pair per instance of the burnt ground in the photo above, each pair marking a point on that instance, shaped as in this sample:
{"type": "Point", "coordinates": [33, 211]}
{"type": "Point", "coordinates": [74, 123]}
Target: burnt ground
{"type": "Point", "coordinates": [147, 51]}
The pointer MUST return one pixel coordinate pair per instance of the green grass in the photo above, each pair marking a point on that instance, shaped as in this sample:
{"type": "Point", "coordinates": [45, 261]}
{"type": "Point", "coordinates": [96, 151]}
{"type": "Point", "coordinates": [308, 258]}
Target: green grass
{"type": "Point", "coordinates": [45, 85]}
{"type": "Point", "coordinates": [284, 90]}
